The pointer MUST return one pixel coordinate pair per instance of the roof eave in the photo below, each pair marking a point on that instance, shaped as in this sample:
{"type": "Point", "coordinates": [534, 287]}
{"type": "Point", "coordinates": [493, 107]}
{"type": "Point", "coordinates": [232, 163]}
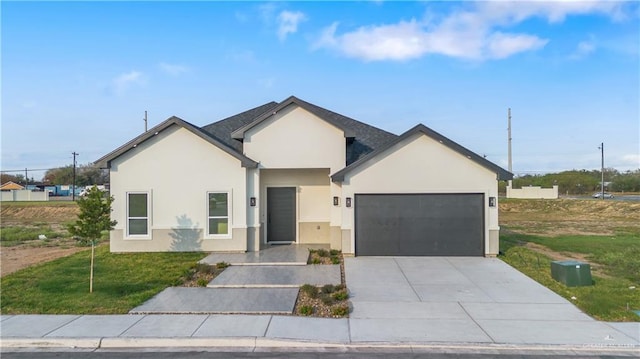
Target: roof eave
{"type": "Point", "coordinates": [105, 161]}
{"type": "Point", "coordinates": [501, 174]}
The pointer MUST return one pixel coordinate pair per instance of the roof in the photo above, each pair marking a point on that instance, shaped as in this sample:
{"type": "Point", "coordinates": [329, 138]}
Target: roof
{"type": "Point", "coordinates": [105, 162]}
{"type": "Point", "coordinates": [362, 138]}
{"type": "Point", "coordinates": [222, 129]}
{"type": "Point", "coordinates": [10, 185]}
{"type": "Point", "coordinates": [501, 173]}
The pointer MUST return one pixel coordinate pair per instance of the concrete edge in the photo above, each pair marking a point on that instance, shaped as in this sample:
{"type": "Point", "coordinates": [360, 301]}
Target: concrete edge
{"type": "Point", "coordinates": [230, 342]}
{"type": "Point", "coordinates": [243, 344]}
{"type": "Point", "coordinates": [255, 286]}
{"type": "Point", "coordinates": [44, 343]}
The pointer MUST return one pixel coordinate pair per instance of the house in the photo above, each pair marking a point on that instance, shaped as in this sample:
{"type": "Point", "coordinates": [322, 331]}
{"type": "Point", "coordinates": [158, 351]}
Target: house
{"type": "Point", "coordinates": [294, 172]}
{"type": "Point", "coordinates": [8, 186]}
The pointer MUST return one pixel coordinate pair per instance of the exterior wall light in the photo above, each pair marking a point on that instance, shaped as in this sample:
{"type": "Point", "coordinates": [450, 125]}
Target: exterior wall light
{"type": "Point", "coordinates": [492, 201]}
{"type": "Point", "coordinates": [252, 201]}
{"type": "Point", "coordinates": [336, 200]}
{"type": "Point", "coordinates": [349, 202]}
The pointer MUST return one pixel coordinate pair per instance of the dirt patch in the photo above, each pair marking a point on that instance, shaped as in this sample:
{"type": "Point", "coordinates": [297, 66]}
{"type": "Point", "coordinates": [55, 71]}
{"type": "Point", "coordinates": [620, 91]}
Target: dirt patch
{"type": "Point", "coordinates": [596, 269]}
{"type": "Point", "coordinates": [34, 252]}
{"type": "Point", "coordinates": [568, 216]}
{"type": "Point", "coordinates": [18, 257]}
{"type": "Point", "coordinates": [53, 214]}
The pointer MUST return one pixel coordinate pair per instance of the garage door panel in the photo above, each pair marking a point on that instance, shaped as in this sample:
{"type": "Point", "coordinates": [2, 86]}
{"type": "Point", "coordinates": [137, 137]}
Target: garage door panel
{"type": "Point", "coordinates": [419, 224]}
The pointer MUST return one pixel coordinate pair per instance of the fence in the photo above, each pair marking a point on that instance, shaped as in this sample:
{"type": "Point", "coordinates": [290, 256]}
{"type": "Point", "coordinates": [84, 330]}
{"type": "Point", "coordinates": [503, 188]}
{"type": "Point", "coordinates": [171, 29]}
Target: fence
{"type": "Point", "coordinates": [533, 192]}
{"type": "Point", "coordinates": [24, 195]}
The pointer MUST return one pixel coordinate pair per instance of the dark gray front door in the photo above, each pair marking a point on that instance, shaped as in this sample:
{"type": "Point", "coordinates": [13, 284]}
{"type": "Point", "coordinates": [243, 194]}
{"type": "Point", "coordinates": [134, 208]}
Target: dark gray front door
{"type": "Point", "coordinates": [281, 214]}
{"type": "Point", "coordinates": [419, 224]}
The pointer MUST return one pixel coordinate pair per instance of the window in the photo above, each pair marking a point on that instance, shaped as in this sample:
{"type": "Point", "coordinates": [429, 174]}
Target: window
{"type": "Point", "coordinates": [218, 214]}
{"type": "Point", "coordinates": [137, 214]}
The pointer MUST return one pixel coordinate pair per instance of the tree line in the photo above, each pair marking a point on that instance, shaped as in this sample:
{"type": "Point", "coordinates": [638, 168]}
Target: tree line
{"type": "Point", "coordinates": [86, 175]}
{"type": "Point", "coordinates": [582, 181]}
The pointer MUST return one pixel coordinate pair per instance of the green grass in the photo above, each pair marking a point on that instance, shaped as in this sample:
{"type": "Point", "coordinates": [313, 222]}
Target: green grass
{"type": "Point", "coordinates": [14, 235]}
{"type": "Point", "coordinates": [121, 282]}
{"type": "Point", "coordinates": [609, 298]}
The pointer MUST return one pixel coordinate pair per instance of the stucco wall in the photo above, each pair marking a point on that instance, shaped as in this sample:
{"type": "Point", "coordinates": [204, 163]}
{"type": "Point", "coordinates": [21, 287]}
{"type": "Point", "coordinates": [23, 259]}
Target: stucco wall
{"type": "Point", "coordinates": [295, 138]}
{"type": "Point", "coordinates": [313, 201]}
{"type": "Point", "coordinates": [422, 165]}
{"type": "Point", "coordinates": [177, 169]}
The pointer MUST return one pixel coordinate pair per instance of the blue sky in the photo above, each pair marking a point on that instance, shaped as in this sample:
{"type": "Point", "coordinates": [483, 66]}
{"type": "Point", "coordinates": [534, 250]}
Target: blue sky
{"type": "Point", "coordinates": [78, 76]}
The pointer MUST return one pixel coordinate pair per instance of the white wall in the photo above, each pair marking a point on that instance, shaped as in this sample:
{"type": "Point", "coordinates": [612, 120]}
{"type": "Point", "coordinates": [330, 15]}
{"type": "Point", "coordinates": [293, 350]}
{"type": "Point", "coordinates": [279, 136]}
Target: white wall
{"type": "Point", "coordinates": [533, 192]}
{"type": "Point", "coordinates": [24, 195]}
{"type": "Point", "coordinates": [295, 138]}
{"type": "Point", "coordinates": [177, 168]}
{"type": "Point", "coordinates": [422, 165]}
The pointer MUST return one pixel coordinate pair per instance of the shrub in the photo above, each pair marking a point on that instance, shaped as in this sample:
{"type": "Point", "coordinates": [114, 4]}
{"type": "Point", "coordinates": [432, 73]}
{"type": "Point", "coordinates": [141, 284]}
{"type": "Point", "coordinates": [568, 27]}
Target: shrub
{"type": "Point", "coordinates": [222, 265]}
{"type": "Point", "coordinates": [328, 288]}
{"type": "Point", "coordinates": [340, 296]}
{"type": "Point", "coordinates": [340, 311]}
{"type": "Point", "coordinates": [202, 282]}
{"type": "Point", "coordinates": [306, 310]}
{"type": "Point", "coordinates": [322, 253]}
{"type": "Point", "coordinates": [340, 287]}
{"type": "Point", "coordinates": [327, 299]}
{"type": "Point", "coordinates": [335, 260]}
{"type": "Point", "coordinates": [334, 252]}
{"type": "Point", "coordinates": [310, 290]}
{"type": "Point", "coordinates": [316, 261]}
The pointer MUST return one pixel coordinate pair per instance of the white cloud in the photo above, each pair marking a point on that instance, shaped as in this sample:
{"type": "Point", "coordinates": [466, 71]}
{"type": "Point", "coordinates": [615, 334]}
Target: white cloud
{"type": "Point", "coordinates": [122, 82]}
{"type": "Point", "coordinates": [288, 23]}
{"type": "Point", "coordinates": [171, 69]}
{"type": "Point", "coordinates": [477, 32]}
{"type": "Point", "coordinates": [583, 49]}
{"type": "Point", "coordinates": [631, 160]}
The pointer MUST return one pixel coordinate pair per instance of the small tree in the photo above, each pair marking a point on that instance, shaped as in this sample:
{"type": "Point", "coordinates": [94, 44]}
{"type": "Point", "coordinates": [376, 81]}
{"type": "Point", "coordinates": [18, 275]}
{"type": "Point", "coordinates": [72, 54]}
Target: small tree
{"type": "Point", "coordinates": [94, 217]}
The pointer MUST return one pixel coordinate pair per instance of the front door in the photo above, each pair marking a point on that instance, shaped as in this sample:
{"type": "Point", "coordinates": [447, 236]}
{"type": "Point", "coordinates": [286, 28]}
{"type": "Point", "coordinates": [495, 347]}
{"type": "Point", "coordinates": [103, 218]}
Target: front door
{"type": "Point", "coordinates": [281, 214]}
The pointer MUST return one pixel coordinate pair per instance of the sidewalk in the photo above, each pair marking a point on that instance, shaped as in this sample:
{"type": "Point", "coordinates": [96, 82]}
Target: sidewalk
{"type": "Point", "coordinates": [464, 305]}
{"type": "Point", "coordinates": [256, 332]}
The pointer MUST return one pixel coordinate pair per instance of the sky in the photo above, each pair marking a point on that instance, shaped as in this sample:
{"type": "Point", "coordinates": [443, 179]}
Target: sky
{"type": "Point", "coordinates": [78, 76]}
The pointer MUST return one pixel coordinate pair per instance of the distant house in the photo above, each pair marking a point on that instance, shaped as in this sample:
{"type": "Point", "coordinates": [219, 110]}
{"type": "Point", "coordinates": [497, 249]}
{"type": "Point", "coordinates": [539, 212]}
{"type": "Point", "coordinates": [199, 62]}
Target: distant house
{"type": "Point", "coordinates": [294, 172]}
{"type": "Point", "coordinates": [8, 186]}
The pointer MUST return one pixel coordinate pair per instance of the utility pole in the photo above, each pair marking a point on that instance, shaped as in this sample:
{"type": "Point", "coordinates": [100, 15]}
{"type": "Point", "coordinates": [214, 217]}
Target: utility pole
{"type": "Point", "coordinates": [145, 121]}
{"type": "Point", "coordinates": [509, 142]}
{"type": "Point", "coordinates": [602, 170]}
{"type": "Point", "coordinates": [73, 188]}
{"type": "Point", "coordinates": [26, 179]}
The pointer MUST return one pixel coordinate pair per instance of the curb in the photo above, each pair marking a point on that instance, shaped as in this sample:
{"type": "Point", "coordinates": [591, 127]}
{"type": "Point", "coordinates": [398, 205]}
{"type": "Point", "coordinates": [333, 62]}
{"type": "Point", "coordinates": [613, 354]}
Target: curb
{"type": "Point", "coordinates": [261, 344]}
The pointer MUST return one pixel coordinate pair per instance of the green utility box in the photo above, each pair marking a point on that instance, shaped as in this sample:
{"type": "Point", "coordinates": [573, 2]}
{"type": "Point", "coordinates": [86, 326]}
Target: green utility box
{"type": "Point", "coordinates": [571, 273]}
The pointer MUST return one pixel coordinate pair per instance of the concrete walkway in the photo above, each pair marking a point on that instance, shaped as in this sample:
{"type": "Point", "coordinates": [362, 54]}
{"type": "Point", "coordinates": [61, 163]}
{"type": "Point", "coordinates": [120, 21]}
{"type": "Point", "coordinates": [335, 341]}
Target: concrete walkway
{"type": "Point", "coordinates": [265, 282]}
{"type": "Point", "coordinates": [478, 305]}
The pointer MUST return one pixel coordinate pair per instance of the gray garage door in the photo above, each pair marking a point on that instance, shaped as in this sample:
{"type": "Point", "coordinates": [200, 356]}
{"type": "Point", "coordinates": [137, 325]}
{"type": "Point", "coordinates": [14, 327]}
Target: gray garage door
{"type": "Point", "coordinates": [419, 224]}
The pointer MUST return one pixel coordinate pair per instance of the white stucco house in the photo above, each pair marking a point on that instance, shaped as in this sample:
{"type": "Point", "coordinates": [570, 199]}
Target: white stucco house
{"type": "Point", "coordinates": [294, 172]}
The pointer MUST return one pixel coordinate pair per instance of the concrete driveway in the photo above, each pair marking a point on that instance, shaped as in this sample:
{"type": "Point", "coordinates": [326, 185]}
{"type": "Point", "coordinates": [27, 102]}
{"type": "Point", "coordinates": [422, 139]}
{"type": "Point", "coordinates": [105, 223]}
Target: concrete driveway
{"type": "Point", "coordinates": [464, 299]}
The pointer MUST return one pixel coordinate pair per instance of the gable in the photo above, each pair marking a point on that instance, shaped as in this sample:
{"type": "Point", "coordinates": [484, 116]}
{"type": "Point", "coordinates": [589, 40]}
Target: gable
{"type": "Point", "coordinates": [105, 162]}
{"type": "Point", "coordinates": [295, 138]}
{"type": "Point", "coordinates": [417, 163]}
{"type": "Point", "coordinates": [470, 157]}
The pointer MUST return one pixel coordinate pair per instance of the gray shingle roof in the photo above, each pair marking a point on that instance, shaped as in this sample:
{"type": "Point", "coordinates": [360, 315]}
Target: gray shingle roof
{"type": "Point", "coordinates": [222, 129]}
{"type": "Point", "coordinates": [362, 139]}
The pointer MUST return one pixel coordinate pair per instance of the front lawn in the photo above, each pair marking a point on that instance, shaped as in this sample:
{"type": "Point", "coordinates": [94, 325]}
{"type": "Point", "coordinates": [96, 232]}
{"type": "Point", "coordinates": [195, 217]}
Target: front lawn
{"type": "Point", "coordinates": [616, 289]}
{"type": "Point", "coordinates": [121, 282]}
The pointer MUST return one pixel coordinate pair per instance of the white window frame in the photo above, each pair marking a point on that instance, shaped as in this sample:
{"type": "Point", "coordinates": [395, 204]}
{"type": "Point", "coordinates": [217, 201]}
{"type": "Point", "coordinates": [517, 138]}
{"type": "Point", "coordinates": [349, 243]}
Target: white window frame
{"type": "Point", "coordinates": [148, 217]}
{"type": "Point", "coordinates": [229, 216]}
